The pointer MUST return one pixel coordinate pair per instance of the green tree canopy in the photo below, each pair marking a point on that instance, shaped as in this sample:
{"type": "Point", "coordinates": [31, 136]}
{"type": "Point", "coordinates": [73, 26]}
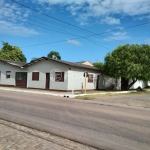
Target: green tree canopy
{"type": "Point", "coordinates": [33, 59]}
{"type": "Point", "coordinates": [99, 65]}
{"type": "Point", "coordinates": [54, 54]}
{"type": "Point", "coordinates": [131, 62]}
{"type": "Point", "coordinates": [14, 53]}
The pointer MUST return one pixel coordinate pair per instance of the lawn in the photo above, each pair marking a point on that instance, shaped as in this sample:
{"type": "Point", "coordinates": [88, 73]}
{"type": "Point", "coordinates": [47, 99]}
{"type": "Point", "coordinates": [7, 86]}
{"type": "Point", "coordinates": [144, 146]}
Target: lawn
{"type": "Point", "coordinates": [138, 99]}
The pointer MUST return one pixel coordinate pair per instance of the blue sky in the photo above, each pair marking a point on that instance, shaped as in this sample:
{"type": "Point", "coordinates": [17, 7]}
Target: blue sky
{"type": "Point", "coordinates": [25, 28]}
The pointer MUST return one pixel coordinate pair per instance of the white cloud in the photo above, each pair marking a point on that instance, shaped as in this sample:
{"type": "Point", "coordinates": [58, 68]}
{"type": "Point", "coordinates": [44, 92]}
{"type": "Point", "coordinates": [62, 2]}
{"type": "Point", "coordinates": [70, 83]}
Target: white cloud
{"type": "Point", "coordinates": [102, 8]}
{"type": "Point", "coordinates": [11, 16]}
{"type": "Point", "coordinates": [12, 11]}
{"type": "Point", "coordinates": [143, 17]}
{"type": "Point", "coordinates": [110, 20]}
{"type": "Point", "coordinates": [117, 36]}
{"type": "Point", "coordinates": [14, 29]}
{"type": "Point", "coordinates": [74, 42]}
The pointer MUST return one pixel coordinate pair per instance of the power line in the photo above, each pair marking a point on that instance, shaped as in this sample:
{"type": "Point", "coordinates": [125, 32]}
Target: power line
{"type": "Point", "coordinates": [64, 32]}
{"type": "Point", "coordinates": [41, 26]}
{"type": "Point", "coordinates": [97, 44]}
{"type": "Point", "coordinates": [49, 15]}
{"type": "Point", "coordinates": [113, 30]}
{"type": "Point", "coordinates": [60, 31]}
{"type": "Point", "coordinates": [89, 35]}
{"type": "Point", "coordinates": [39, 18]}
{"type": "Point", "coordinates": [94, 34]}
{"type": "Point", "coordinates": [56, 18]}
{"type": "Point", "coordinates": [56, 31]}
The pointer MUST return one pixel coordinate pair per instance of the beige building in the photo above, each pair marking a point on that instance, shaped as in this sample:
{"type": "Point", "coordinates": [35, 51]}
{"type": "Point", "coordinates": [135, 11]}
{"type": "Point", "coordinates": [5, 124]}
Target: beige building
{"type": "Point", "coordinates": [85, 63]}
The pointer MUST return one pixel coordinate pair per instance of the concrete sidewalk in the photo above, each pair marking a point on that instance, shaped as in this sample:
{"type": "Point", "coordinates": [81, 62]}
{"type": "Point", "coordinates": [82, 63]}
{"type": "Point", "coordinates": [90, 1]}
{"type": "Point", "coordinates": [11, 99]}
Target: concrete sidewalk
{"type": "Point", "coordinates": [30, 139]}
{"type": "Point", "coordinates": [60, 94]}
{"type": "Point", "coordinates": [37, 91]}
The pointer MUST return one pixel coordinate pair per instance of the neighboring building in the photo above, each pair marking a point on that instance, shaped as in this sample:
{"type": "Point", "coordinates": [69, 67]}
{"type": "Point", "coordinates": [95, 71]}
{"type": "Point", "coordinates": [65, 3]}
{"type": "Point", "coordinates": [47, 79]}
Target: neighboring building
{"type": "Point", "coordinates": [85, 63]}
{"type": "Point", "coordinates": [47, 73]}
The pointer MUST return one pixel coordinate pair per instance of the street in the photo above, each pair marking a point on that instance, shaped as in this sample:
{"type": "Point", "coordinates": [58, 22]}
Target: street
{"type": "Point", "coordinates": [100, 126]}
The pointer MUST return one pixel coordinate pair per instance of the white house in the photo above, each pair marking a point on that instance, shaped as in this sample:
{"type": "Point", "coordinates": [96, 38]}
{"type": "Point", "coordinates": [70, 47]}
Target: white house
{"type": "Point", "coordinates": [46, 73]}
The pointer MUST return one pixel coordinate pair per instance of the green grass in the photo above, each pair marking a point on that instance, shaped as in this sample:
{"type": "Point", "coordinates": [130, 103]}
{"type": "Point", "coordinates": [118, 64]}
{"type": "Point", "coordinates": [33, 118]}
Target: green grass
{"type": "Point", "coordinates": [97, 96]}
{"type": "Point", "coordinates": [91, 97]}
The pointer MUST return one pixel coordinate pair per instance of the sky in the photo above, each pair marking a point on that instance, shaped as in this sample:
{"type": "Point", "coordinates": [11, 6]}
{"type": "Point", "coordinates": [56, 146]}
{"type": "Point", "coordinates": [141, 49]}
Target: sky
{"type": "Point", "coordinates": [80, 30]}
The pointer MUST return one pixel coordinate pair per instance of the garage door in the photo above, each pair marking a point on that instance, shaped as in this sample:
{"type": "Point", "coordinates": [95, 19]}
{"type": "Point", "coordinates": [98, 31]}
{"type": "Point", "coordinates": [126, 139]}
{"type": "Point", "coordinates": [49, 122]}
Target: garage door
{"type": "Point", "coordinates": [21, 79]}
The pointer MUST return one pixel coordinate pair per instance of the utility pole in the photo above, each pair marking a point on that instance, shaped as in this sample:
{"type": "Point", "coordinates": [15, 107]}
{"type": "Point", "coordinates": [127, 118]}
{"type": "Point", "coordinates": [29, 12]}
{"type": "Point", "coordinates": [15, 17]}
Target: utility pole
{"type": "Point", "coordinates": [85, 76]}
{"type": "Point", "coordinates": [85, 84]}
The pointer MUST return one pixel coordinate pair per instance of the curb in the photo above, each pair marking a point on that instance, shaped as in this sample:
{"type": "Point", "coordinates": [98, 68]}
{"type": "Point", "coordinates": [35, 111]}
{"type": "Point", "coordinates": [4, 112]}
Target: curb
{"type": "Point", "coordinates": [41, 93]}
{"type": "Point", "coordinates": [104, 93]}
{"type": "Point", "coordinates": [66, 95]}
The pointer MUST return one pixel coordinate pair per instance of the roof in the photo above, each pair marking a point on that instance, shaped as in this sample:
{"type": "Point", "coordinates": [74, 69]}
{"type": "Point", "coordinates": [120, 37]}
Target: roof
{"type": "Point", "coordinates": [85, 63]}
{"type": "Point", "coordinates": [24, 64]}
{"type": "Point", "coordinates": [14, 63]}
{"type": "Point", "coordinates": [80, 62]}
{"type": "Point", "coordinates": [63, 62]}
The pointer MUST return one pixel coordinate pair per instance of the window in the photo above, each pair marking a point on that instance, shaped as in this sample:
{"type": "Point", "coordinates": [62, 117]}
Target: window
{"type": "Point", "coordinates": [35, 76]}
{"type": "Point", "coordinates": [90, 78]}
{"type": "Point", "coordinates": [59, 76]}
{"type": "Point", "coordinates": [8, 74]}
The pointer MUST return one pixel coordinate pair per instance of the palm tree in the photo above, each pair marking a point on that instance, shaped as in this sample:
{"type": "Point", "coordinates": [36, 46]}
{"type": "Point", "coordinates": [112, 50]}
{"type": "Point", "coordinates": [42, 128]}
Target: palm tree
{"type": "Point", "coordinates": [54, 54]}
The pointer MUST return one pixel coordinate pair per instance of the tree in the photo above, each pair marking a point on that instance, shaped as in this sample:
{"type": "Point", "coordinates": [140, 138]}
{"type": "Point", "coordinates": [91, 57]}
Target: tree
{"type": "Point", "coordinates": [130, 62]}
{"type": "Point", "coordinates": [54, 54]}
{"type": "Point", "coordinates": [33, 59]}
{"type": "Point", "coordinates": [14, 53]}
{"type": "Point", "coordinates": [99, 65]}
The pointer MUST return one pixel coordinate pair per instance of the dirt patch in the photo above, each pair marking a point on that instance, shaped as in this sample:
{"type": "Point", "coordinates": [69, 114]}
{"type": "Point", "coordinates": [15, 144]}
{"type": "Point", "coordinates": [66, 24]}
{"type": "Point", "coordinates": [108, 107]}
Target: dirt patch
{"type": "Point", "coordinates": [138, 100]}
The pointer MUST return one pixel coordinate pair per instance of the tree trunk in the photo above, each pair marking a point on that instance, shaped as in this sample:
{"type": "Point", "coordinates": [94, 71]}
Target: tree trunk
{"type": "Point", "coordinates": [124, 84]}
{"type": "Point", "coordinates": [133, 81]}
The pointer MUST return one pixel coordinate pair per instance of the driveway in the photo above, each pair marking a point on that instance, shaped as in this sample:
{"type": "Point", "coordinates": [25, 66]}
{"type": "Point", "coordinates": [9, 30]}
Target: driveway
{"type": "Point", "coordinates": [101, 126]}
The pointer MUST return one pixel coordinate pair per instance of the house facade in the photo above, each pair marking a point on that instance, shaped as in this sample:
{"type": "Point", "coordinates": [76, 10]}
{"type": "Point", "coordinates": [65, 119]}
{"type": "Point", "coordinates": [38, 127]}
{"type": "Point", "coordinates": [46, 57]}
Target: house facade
{"type": "Point", "coordinates": [46, 73]}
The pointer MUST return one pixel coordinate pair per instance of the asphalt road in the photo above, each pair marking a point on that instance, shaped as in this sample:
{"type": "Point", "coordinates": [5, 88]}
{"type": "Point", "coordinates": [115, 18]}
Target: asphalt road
{"type": "Point", "coordinates": [102, 126]}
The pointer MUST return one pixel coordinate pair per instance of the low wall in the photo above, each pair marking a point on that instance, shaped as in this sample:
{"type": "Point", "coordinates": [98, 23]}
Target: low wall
{"type": "Point", "coordinates": [108, 83]}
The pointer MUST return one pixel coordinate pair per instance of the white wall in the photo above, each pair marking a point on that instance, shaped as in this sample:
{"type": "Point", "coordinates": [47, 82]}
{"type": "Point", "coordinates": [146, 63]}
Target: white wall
{"type": "Point", "coordinates": [148, 83]}
{"type": "Point", "coordinates": [6, 67]}
{"type": "Point", "coordinates": [43, 67]}
{"type": "Point", "coordinates": [106, 82]}
{"type": "Point", "coordinates": [76, 78]}
{"type": "Point", "coordinates": [138, 83]}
